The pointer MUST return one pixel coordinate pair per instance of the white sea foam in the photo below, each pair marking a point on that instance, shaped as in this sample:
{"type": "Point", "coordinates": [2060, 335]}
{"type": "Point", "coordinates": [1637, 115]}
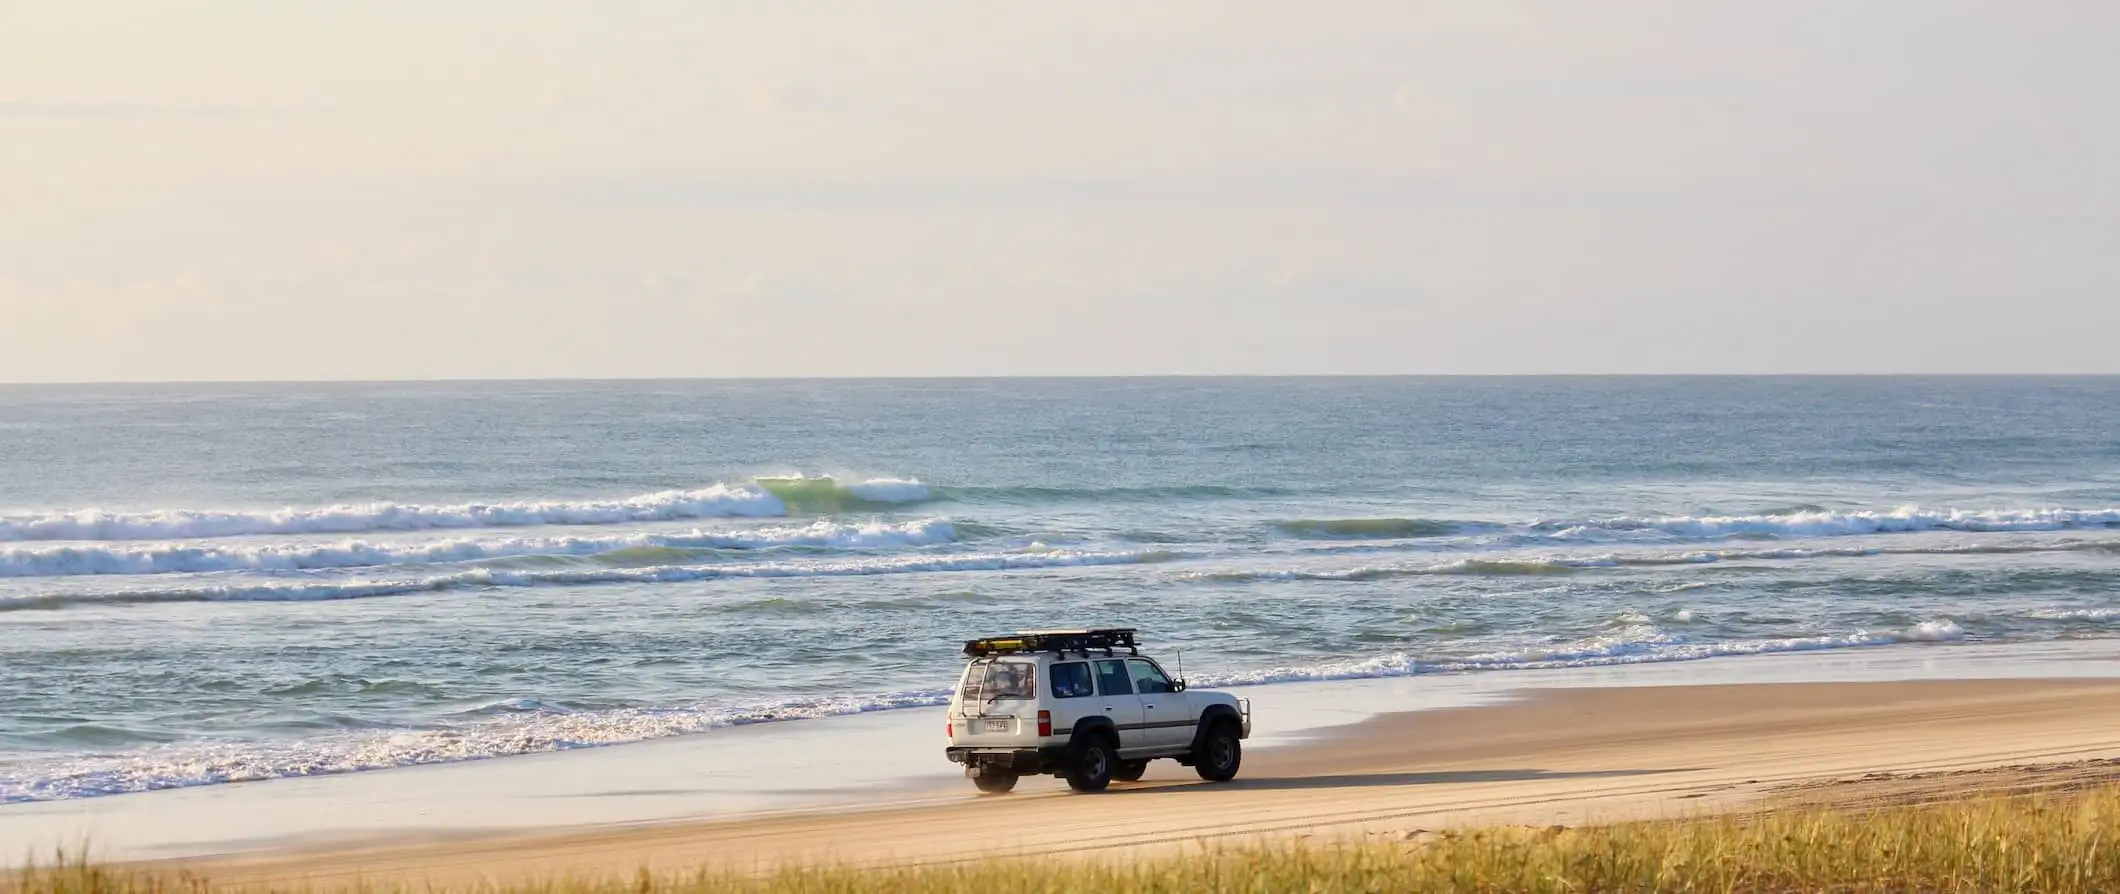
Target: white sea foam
{"type": "Point", "coordinates": [307, 591]}
{"type": "Point", "coordinates": [1647, 643]}
{"type": "Point", "coordinates": [890, 490]}
{"type": "Point", "coordinates": [169, 558]}
{"type": "Point", "coordinates": [2075, 614]}
{"type": "Point", "coordinates": [741, 500]}
{"type": "Point", "coordinates": [533, 731]}
{"type": "Point", "coordinates": [1942, 630]}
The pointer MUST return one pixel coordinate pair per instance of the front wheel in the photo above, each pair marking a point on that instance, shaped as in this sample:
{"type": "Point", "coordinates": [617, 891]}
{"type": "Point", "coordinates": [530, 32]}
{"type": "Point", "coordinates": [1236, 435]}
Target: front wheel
{"type": "Point", "coordinates": [995, 783]}
{"type": "Point", "coordinates": [1091, 768]}
{"type": "Point", "coordinates": [1220, 754]}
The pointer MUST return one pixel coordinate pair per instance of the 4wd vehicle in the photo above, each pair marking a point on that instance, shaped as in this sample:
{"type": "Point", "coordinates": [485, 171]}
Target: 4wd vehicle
{"type": "Point", "coordinates": [1085, 705]}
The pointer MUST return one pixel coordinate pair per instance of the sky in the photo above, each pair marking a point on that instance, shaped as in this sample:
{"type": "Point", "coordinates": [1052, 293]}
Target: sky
{"type": "Point", "coordinates": [412, 189]}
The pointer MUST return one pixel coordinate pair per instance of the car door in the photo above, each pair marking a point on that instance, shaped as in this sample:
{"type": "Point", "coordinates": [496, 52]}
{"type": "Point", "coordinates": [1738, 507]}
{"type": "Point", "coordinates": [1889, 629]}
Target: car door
{"type": "Point", "coordinates": [1073, 694]}
{"type": "Point", "coordinates": [1165, 713]}
{"type": "Point", "coordinates": [1115, 692]}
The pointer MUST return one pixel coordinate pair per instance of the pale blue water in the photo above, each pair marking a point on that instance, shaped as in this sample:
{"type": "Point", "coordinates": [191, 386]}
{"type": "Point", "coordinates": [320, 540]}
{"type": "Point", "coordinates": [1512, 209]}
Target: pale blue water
{"type": "Point", "coordinates": [207, 583]}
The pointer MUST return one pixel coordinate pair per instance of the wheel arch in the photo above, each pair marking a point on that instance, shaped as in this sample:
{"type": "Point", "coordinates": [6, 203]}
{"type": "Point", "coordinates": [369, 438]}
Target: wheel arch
{"type": "Point", "coordinates": [1093, 726]}
{"type": "Point", "coordinates": [1215, 715]}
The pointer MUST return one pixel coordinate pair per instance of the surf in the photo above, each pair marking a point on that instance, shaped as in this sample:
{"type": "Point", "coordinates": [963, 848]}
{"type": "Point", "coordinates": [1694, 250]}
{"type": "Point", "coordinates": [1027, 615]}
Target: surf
{"type": "Point", "coordinates": [193, 558]}
{"type": "Point", "coordinates": [761, 498]}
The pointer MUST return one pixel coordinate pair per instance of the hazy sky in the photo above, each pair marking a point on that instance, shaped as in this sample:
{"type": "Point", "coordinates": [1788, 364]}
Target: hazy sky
{"type": "Point", "coordinates": [442, 188]}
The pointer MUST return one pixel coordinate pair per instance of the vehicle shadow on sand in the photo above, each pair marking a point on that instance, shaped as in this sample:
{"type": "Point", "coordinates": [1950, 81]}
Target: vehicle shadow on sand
{"type": "Point", "coordinates": [1384, 780]}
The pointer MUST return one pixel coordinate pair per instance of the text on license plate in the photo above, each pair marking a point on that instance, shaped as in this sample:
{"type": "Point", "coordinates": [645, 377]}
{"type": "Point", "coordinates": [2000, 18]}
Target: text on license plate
{"type": "Point", "coordinates": [996, 725]}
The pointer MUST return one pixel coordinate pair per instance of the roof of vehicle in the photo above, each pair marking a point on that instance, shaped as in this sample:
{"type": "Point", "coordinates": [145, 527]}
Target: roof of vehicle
{"type": "Point", "coordinates": [1105, 640]}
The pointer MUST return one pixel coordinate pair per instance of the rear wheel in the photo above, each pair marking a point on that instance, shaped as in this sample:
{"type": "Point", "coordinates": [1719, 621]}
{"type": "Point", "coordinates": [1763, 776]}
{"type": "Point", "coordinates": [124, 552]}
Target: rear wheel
{"type": "Point", "coordinates": [995, 783]}
{"type": "Point", "coordinates": [1090, 768]}
{"type": "Point", "coordinates": [1220, 754]}
{"type": "Point", "coordinates": [1129, 771]}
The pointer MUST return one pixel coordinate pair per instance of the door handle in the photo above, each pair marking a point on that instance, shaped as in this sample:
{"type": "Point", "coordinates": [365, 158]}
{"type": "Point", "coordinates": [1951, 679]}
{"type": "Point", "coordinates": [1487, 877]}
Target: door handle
{"type": "Point", "coordinates": [1149, 707]}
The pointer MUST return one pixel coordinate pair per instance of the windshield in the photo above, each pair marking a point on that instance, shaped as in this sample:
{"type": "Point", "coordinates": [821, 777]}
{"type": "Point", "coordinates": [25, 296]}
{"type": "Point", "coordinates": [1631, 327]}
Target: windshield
{"type": "Point", "coordinates": [989, 679]}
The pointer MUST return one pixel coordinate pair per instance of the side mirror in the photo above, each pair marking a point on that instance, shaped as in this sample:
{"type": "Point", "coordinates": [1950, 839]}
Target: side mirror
{"type": "Point", "coordinates": [1177, 686]}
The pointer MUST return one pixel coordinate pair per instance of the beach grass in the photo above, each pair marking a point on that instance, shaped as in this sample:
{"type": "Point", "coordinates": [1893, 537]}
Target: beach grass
{"type": "Point", "coordinates": [2055, 843]}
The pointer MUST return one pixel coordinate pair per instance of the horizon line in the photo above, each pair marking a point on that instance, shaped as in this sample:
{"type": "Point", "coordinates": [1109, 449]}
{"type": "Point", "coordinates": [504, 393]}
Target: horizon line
{"type": "Point", "coordinates": [475, 380]}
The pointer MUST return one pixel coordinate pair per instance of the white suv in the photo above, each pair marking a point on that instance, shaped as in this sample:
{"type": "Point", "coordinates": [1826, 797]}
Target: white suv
{"type": "Point", "coordinates": [1088, 706]}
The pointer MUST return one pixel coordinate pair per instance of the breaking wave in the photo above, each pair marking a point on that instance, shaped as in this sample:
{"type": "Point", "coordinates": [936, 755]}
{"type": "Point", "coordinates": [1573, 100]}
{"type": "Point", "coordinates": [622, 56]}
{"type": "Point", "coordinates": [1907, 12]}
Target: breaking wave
{"type": "Point", "coordinates": [764, 498]}
{"type": "Point", "coordinates": [824, 494]}
{"type": "Point", "coordinates": [1031, 494]}
{"type": "Point", "coordinates": [176, 558]}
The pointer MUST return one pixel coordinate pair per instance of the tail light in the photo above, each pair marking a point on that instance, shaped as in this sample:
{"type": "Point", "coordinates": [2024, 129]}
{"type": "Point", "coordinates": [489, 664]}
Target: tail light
{"type": "Point", "coordinates": [949, 729]}
{"type": "Point", "coordinates": [1045, 723]}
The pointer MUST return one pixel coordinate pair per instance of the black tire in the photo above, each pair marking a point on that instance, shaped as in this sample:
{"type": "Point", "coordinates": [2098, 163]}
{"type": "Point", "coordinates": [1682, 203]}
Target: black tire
{"type": "Point", "coordinates": [1220, 754]}
{"type": "Point", "coordinates": [995, 783]}
{"type": "Point", "coordinates": [1129, 771]}
{"type": "Point", "coordinates": [1090, 768]}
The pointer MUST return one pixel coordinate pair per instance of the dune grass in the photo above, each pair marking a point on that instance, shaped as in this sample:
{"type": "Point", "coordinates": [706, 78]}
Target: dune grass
{"type": "Point", "coordinates": [2051, 843]}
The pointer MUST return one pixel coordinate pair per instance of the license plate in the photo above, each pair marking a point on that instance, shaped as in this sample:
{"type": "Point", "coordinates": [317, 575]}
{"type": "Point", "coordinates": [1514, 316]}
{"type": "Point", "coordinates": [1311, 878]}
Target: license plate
{"type": "Point", "coordinates": [995, 725]}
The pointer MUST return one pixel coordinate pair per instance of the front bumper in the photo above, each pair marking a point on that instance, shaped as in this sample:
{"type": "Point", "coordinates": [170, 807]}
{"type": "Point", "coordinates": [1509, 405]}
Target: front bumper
{"type": "Point", "coordinates": [1020, 761]}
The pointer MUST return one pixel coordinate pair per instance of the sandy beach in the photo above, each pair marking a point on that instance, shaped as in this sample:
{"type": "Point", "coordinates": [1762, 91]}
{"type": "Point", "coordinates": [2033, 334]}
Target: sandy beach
{"type": "Point", "coordinates": [1549, 756]}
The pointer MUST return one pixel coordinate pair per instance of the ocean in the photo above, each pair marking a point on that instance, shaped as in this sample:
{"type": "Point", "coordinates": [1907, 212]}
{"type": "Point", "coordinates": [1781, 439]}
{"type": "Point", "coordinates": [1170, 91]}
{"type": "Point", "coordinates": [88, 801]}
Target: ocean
{"type": "Point", "coordinates": [202, 584]}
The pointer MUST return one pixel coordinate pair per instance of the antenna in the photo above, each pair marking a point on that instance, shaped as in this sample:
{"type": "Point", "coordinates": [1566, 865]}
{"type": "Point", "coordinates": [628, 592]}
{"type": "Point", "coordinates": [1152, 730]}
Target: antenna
{"type": "Point", "coordinates": [1181, 666]}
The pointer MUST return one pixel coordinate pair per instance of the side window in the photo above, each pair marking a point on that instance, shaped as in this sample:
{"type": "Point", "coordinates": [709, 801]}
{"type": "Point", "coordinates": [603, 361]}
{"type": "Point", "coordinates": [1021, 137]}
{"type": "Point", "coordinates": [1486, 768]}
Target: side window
{"type": "Point", "coordinates": [1148, 678]}
{"type": "Point", "coordinates": [1112, 679]}
{"type": "Point", "coordinates": [1072, 680]}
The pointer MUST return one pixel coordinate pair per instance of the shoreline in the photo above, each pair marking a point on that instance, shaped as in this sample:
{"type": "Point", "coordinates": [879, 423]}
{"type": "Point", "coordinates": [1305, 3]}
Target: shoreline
{"type": "Point", "coordinates": [784, 775]}
{"type": "Point", "coordinates": [1551, 757]}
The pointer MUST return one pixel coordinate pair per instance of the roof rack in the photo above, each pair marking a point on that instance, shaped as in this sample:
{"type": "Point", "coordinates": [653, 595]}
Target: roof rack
{"type": "Point", "coordinates": [1085, 641]}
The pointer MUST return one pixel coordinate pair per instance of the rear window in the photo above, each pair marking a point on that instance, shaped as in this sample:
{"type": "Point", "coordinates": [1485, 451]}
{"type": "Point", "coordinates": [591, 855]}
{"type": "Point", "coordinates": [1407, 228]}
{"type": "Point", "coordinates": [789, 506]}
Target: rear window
{"type": "Point", "coordinates": [991, 679]}
{"type": "Point", "coordinates": [1072, 680]}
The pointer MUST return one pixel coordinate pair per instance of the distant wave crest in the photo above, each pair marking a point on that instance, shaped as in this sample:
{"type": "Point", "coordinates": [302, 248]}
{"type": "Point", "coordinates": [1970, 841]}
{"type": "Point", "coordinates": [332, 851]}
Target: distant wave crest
{"type": "Point", "coordinates": [1796, 522]}
{"type": "Point", "coordinates": [1791, 522]}
{"type": "Point", "coordinates": [1535, 565]}
{"type": "Point", "coordinates": [1841, 524]}
{"type": "Point", "coordinates": [177, 558]}
{"type": "Point", "coordinates": [1361, 528]}
{"type": "Point", "coordinates": [764, 498]}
